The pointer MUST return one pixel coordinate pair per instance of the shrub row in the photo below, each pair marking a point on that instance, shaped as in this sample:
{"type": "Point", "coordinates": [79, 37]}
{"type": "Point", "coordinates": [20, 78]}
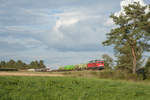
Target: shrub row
{"type": "Point", "coordinates": [107, 74]}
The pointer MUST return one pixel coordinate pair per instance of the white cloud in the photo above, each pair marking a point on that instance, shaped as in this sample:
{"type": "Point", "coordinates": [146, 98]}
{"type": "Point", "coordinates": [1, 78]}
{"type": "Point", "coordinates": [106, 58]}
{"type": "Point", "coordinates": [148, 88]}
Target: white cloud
{"type": "Point", "coordinates": [126, 3]}
{"type": "Point", "coordinates": [65, 21]}
{"type": "Point", "coordinates": [72, 17]}
{"type": "Point", "coordinates": [109, 22]}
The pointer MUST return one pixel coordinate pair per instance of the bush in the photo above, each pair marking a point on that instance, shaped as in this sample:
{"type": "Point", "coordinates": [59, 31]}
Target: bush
{"type": "Point", "coordinates": [118, 74]}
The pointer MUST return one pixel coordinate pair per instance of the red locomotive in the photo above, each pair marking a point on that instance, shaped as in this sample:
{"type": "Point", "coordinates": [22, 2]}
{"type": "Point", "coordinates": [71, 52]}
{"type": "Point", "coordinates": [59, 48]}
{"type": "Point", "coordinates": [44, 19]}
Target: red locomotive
{"type": "Point", "coordinates": [95, 64]}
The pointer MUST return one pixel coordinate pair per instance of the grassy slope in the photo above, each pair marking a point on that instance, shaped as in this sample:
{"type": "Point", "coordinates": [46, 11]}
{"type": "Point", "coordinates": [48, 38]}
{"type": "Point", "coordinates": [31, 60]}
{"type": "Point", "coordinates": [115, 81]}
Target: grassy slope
{"type": "Point", "coordinates": [67, 88]}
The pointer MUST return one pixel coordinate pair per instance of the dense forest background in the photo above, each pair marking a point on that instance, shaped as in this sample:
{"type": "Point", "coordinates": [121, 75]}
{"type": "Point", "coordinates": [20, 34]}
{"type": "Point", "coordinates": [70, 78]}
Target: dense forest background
{"type": "Point", "coordinates": [22, 65]}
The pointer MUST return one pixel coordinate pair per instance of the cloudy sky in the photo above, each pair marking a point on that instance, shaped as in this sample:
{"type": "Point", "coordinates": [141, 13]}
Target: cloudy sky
{"type": "Point", "coordinates": [59, 32]}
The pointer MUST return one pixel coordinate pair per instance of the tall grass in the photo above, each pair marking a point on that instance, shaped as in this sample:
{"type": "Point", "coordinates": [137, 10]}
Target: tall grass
{"type": "Point", "coordinates": [69, 88]}
{"type": "Point", "coordinates": [106, 74]}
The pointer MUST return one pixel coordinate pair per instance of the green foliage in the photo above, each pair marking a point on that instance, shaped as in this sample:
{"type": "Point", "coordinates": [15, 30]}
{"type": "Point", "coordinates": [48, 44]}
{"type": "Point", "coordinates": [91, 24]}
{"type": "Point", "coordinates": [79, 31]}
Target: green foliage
{"type": "Point", "coordinates": [11, 64]}
{"type": "Point", "coordinates": [65, 88]}
{"type": "Point", "coordinates": [41, 64]}
{"type": "Point", "coordinates": [34, 64]}
{"type": "Point", "coordinates": [2, 64]}
{"type": "Point", "coordinates": [131, 36]}
{"type": "Point", "coordinates": [147, 66]}
{"type": "Point", "coordinates": [21, 65]}
{"type": "Point", "coordinates": [118, 74]}
{"type": "Point", "coordinates": [106, 74]}
{"type": "Point", "coordinates": [108, 61]}
{"type": "Point", "coordinates": [147, 63]}
{"type": "Point", "coordinates": [124, 58]}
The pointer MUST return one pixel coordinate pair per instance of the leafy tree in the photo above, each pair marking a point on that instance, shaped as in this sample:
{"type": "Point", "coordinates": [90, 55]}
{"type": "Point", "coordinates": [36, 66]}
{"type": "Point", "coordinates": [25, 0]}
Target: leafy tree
{"type": "Point", "coordinates": [124, 58]}
{"type": "Point", "coordinates": [147, 65]}
{"type": "Point", "coordinates": [3, 64]}
{"type": "Point", "coordinates": [11, 64]}
{"type": "Point", "coordinates": [41, 64]}
{"type": "Point", "coordinates": [132, 32]}
{"type": "Point", "coordinates": [34, 64]}
{"type": "Point", "coordinates": [108, 61]}
{"type": "Point", "coordinates": [20, 64]}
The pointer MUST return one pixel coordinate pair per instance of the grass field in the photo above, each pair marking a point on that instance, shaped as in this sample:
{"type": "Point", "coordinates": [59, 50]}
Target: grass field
{"type": "Point", "coordinates": [69, 88]}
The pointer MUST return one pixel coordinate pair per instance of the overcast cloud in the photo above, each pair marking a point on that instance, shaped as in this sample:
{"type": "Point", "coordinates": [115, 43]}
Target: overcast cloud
{"type": "Point", "coordinates": [58, 32]}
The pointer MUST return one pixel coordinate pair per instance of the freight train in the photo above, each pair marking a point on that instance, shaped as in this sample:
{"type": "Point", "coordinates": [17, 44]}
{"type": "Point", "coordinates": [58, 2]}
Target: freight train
{"type": "Point", "coordinates": [94, 65]}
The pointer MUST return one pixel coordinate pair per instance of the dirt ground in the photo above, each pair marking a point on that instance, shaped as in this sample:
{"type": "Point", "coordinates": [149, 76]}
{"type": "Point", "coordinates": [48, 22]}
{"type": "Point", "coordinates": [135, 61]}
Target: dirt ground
{"type": "Point", "coordinates": [28, 74]}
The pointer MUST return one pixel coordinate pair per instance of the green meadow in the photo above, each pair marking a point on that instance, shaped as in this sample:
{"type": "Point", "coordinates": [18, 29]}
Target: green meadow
{"type": "Point", "coordinates": [70, 88]}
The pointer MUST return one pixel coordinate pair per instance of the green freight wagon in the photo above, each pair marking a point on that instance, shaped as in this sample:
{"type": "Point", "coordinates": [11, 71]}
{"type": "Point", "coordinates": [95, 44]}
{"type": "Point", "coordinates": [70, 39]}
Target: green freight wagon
{"type": "Point", "coordinates": [69, 67]}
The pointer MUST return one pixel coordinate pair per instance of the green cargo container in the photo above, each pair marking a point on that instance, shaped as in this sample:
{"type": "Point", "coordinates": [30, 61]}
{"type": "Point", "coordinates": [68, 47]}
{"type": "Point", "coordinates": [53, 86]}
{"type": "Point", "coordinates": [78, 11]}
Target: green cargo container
{"type": "Point", "coordinates": [69, 67]}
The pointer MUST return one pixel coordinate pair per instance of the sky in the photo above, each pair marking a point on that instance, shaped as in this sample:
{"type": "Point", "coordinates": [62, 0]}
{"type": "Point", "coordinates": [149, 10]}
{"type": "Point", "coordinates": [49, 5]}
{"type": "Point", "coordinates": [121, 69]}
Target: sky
{"type": "Point", "coordinates": [63, 32]}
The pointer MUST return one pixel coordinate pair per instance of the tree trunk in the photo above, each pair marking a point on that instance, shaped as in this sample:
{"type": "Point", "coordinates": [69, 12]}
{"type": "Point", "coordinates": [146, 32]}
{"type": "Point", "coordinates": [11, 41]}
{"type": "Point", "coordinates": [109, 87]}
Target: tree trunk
{"type": "Point", "coordinates": [134, 61]}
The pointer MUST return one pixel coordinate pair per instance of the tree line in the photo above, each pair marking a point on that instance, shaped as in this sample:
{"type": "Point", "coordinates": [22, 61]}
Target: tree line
{"type": "Point", "coordinates": [22, 65]}
{"type": "Point", "coordinates": [130, 37]}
